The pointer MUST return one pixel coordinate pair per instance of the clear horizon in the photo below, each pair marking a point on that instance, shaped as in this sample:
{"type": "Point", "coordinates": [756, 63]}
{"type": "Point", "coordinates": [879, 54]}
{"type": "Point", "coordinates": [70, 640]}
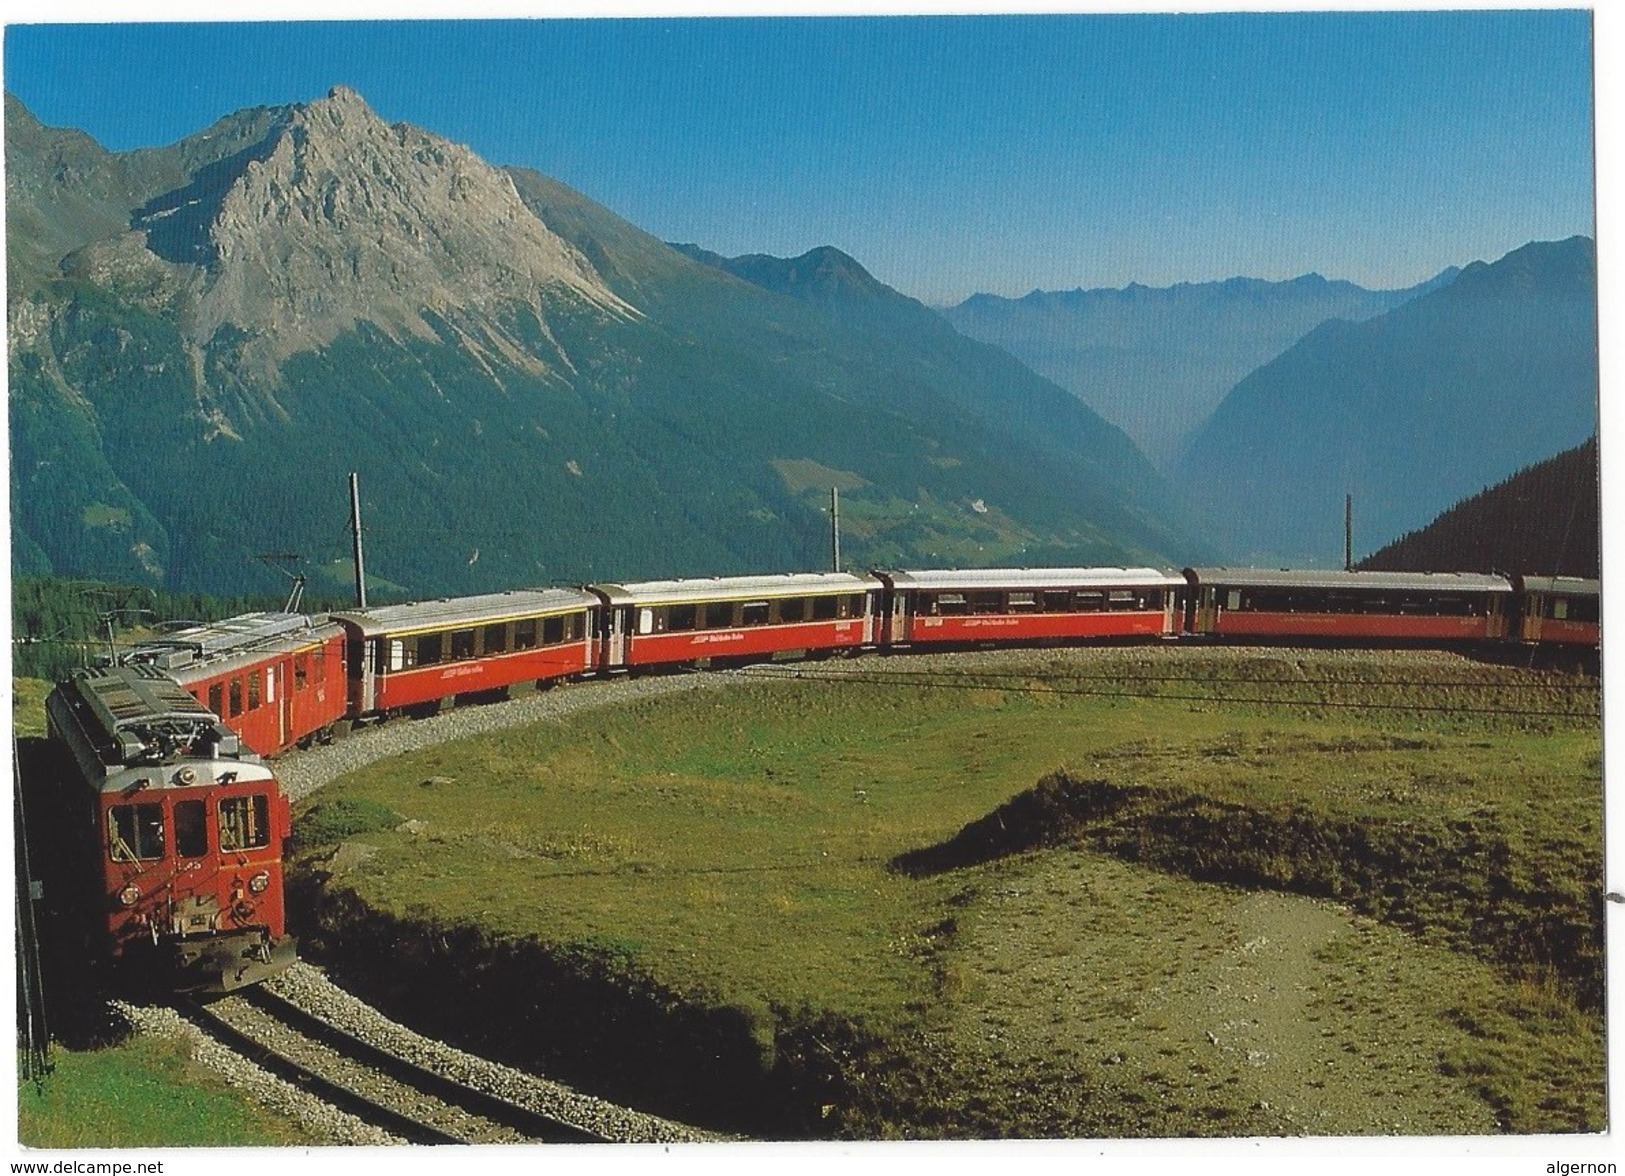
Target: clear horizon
{"type": "Point", "coordinates": [948, 155]}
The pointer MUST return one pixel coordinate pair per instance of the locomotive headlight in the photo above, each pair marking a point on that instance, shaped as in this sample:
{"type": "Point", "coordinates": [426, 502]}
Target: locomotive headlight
{"type": "Point", "coordinates": [259, 882]}
{"type": "Point", "coordinates": [130, 895]}
{"type": "Point", "coordinates": [186, 776]}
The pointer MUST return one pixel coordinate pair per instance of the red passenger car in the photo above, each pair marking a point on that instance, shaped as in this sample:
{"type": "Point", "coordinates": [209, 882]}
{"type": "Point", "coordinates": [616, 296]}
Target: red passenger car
{"type": "Point", "coordinates": [1560, 610]}
{"type": "Point", "coordinates": [664, 622]}
{"type": "Point", "coordinates": [415, 656]}
{"type": "Point", "coordinates": [1418, 607]}
{"type": "Point", "coordinates": [275, 678]}
{"type": "Point", "coordinates": [176, 832]}
{"type": "Point", "coordinates": [1030, 604]}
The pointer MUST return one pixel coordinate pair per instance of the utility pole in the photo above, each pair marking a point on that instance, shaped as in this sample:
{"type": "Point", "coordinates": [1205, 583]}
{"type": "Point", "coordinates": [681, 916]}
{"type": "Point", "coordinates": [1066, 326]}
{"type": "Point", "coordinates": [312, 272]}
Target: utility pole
{"type": "Point", "coordinates": [835, 527]}
{"type": "Point", "coordinates": [355, 534]}
{"type": "Point", "coordinates": [1348, 532]}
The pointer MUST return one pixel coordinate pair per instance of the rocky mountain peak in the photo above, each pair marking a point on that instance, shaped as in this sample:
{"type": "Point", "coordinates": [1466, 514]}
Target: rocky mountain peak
{"type": "Point", "coordinates": [335, 218]}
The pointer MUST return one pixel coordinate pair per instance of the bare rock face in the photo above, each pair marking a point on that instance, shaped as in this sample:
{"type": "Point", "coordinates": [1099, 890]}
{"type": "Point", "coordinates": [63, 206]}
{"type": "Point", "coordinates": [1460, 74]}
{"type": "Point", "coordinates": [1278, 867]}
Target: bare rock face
{"type": "Point", "coordinates": [337, 218]}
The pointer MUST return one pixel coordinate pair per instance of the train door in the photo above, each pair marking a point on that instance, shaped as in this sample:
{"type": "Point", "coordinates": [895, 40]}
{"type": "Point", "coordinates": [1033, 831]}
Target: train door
{"type": "Point", "coordinates": [1173, 606]}
{"type": "Point", "coordinates": [277, 686]}
{"type": "Point", "coordinates": [902, 617]}
{"type": "Point", "coordinates": [617, 629]}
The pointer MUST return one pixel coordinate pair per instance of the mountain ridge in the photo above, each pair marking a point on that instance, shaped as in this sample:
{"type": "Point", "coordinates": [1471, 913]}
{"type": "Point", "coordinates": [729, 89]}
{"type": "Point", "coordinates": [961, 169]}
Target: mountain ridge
{"type": "Point", "coordinates": [1156, 361]}
{"type": "Point", "coordinates": [669, 418]}
{"type": "Point", "coordinates": [1410, 411]}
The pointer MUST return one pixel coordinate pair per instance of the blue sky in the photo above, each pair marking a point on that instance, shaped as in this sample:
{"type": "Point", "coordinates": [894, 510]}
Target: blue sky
{"type": "Point", "coordinates": [948, 154]}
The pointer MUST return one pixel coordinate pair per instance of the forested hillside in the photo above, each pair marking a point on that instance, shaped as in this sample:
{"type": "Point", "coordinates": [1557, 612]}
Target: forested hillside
{"type": "Point", "coordinates": [1544, 520]}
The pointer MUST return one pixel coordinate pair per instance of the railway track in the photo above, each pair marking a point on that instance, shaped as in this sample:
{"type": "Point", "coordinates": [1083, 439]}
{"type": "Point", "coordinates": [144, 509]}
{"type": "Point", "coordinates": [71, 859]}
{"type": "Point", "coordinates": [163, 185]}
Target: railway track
{"type": "Point", "coordinates": [317, 1038]}
{"type": "Point", "coordinates": [396, 1094]}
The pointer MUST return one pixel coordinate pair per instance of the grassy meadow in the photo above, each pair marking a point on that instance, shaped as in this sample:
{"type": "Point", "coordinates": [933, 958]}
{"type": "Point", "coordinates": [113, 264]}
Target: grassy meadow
{"type": "Point", "coordinates": [146, 1092]}
{"type": "Point", "coordinates": [1373, 843]}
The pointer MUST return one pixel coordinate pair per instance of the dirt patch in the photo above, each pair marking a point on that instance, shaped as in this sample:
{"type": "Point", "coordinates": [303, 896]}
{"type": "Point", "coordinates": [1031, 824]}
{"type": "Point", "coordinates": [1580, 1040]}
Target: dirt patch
{"type": "Point", "coordinates": [1135, 1004]}
{"type": "Point", "coordinates": [1464, 882]}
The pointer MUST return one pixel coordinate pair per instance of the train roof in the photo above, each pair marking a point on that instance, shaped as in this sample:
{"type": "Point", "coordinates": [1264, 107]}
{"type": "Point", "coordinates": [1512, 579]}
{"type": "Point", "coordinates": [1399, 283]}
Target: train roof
{"type": "Point", "coordinates": [221, 646]}
{"type": "Point", "coordinates": [699, 591]}
{"type": "Point", "coordinates": [1563, 585]}
{"type": "Point", "coordinates": [124, 718]}
{"type": "Point", "coordinates": [463, 610]}
{"type": "Point", "coordinates": [971, 579]}
{"type": "Point", "coordinates": [1389, 581]}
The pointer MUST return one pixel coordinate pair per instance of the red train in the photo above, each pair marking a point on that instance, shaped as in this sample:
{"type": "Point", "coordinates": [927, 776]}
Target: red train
{"type": "Point", "coordinates": [283, 678]}
{"type": "Point", "coordinates": [185, 827]}
{"type": "Point", "coordinates": [175, 830]}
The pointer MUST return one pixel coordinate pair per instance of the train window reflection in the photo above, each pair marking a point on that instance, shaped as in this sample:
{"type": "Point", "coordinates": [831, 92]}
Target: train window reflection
{"type": "Point", "coordinates": [136, 832]}
{"type": "Point", "coordinates": [245, 823]}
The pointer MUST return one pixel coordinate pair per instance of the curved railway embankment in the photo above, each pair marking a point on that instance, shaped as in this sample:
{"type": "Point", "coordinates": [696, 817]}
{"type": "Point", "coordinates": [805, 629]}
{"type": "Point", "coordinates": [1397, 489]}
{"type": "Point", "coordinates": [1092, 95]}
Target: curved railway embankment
{"type": "Point", "coordinates": [590, 1015]}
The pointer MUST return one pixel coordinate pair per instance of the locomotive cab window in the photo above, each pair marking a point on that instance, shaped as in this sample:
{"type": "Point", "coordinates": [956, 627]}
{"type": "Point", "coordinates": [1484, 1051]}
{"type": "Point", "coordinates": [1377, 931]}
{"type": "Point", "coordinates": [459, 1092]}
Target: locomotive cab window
{"type": "Point", "coordinates": [135, 832]}
{"type": "Point", "coordinates": [191, 829]}
{"type": "Point", "coordinates": [217, 698]}
{"type": "Point", "coordinates": [255, 694]}
{"type": "Point", "coordinates": [236, 697]}
{"type": "Point", "coordinates": [245, 823]}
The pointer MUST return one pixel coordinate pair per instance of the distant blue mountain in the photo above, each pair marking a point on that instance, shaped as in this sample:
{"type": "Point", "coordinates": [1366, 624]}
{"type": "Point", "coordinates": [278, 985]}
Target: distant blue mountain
{"type": "Point", "coordinates": [1156, 362]}
{"type": "Point", "coordinates": [1410, 412]}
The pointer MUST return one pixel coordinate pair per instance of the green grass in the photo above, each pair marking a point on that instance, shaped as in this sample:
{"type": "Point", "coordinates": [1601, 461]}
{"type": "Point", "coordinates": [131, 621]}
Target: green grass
{"type": "Point", "coordinates": [143, 1093]}
{"type": "Point", "coordinates": [28, 706]}
{"type": "Point", "coordinates": [736, 844]}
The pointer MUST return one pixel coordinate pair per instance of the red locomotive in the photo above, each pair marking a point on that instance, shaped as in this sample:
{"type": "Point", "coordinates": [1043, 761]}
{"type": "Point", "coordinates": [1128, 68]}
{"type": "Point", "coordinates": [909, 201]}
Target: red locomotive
{"type": "Point", "coordinates": [178, 829]}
